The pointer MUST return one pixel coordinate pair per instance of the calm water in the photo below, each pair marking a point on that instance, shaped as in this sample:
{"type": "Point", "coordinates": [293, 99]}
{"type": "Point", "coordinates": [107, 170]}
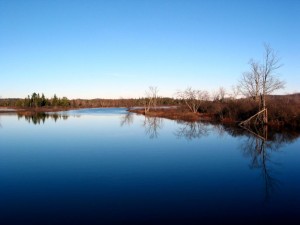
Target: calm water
{"type": "Point", "coordinates": [104, 166]}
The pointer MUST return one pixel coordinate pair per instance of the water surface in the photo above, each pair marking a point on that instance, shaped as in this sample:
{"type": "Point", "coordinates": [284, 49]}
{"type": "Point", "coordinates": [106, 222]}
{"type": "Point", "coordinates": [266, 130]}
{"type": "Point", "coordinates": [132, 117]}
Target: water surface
{"type": "Point", "coordinates": [105, 166]}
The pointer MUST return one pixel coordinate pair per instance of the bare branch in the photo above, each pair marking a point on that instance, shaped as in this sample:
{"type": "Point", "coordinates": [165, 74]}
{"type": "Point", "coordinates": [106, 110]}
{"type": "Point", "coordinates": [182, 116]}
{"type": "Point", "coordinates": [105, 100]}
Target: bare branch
{"type": "Point", "coordinates": [151, 98]}
{"type": "Point", "coordinates": [193, 98]}
{"type": "Point", "coordinates": [262, 80]}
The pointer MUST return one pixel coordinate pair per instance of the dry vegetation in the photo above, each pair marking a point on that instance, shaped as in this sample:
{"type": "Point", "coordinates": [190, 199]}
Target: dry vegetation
{"type": "Point", "coordinates": [284, 110]}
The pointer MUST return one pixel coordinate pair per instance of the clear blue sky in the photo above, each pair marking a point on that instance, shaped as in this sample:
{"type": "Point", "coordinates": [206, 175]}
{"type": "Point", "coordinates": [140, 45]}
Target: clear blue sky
{"type": "Point", "coordinates": [118, 48]}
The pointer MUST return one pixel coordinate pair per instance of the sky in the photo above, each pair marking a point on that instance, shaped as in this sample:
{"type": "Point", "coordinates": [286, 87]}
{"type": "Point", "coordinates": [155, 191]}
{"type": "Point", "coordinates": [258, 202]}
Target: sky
{"type": "Point", "coordinates": [118, 48]}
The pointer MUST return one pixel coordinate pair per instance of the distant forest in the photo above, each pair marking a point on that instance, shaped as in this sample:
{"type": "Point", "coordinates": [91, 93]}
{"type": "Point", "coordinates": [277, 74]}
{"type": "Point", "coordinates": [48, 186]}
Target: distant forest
{"type": "Point", "coordinates": [37, 100]}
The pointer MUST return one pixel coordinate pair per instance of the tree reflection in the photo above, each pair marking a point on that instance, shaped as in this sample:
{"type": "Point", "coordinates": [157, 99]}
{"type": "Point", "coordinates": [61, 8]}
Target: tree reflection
{"type": "Point", "coordinates": [259, 146]}
{"type": "Point", "coordinates": [191, 130]}
{"type": "Point", "coordinates": [152, 125]}
{"type": "Point", "coordinates": [39, 118]}
{"type": "Point", "coordinates": [259, 151]}
{"type": "Point", "coordinates": [219, 129]}
{"type": "Point", "coordinates": [126, 119]}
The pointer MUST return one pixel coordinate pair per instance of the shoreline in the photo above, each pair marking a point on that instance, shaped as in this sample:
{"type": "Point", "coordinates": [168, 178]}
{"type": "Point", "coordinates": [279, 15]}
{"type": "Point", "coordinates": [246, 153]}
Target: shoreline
{"type": "Point", "coordinates": [174, 113]}
{"type": "Point", "coordinates": [32, 110]}
{"type": "Point", "coordinates": [187, 116]}
{"type": "Point", "coordinates": [7, 110]}
{"type": "Point", "coordinates": [169, 112]}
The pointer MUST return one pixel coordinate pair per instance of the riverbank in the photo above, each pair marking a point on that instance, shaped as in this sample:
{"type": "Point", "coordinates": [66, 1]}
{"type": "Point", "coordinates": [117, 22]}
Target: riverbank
{"type": "Point", "coordinates": [183, 114]}
{"type": "Point", "coordinates": [228, 113]}
{"type": "Point", "coordinates": [33, 111]}
{"type": "Point", "coordinates": [7, 110]}
{"type": "Point", "coordinates": [174, 113]}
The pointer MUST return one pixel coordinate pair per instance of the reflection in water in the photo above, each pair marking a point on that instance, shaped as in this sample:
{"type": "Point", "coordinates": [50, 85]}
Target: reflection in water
{"type": "Point", "coordinates": [259, 144]}
{"type": "Point", "coordinates": [219, 129]}
{"type": "Point", "coordinates": [152, 125]}
{"type": "Point", "coordinates": [39, 118]}
{"type": "Point", "coordinates": [192, 181]}
{"type": "Point", "coordinates": [259, 149]}
{"type": "Point", "coordinates": [191, 130]}
{"type": "Point", "coordinates": [126, 119]}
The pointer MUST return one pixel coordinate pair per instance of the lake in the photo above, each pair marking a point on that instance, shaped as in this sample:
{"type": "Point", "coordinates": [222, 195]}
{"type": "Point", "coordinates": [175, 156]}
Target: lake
{"type": "Point", "coordinates": [105, 166]}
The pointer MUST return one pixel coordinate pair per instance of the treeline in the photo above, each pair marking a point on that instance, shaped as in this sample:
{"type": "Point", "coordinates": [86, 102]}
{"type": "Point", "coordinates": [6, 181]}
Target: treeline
{"type": "Point", "coordinates": [37, 100]}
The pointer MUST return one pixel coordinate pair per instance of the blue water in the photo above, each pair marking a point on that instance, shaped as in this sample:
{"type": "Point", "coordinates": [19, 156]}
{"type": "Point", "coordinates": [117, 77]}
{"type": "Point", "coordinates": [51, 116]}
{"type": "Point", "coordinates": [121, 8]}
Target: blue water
{"type": "Point", "coordinates": [104, 166]}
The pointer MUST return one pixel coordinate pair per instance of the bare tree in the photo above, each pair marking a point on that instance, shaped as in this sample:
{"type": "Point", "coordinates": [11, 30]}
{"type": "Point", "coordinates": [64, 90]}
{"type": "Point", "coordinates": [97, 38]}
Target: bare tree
{"type": "Point", "coordinates": [234, 92]}
{"type": "Point", "coordinates": [222, 93]}
{"type": "Point", "coordinates": [250, 85]}
{"type": "Point", "coordinates": [262, 79]}
{"type": "Point", "coordinates": [219, 95]}
{"type": "Point", "coordinates": [193, 98]}
{"type": "Point", "coordinates": [270, 82]}
{"type": "Point", "coordinates": [151, 98]}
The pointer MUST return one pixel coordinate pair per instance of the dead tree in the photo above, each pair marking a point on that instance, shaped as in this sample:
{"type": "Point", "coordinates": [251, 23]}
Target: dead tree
{"type": "Point", "coordinates": [262, 80]}
{"type": "Point", "coordinates": [150, 99]}
{"type": "Point", "coordinates": [193, 98]}
{"type": "Point", "coordinates": [219, 95]}
{"type": "Point", "coordinates": [250, 84]}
